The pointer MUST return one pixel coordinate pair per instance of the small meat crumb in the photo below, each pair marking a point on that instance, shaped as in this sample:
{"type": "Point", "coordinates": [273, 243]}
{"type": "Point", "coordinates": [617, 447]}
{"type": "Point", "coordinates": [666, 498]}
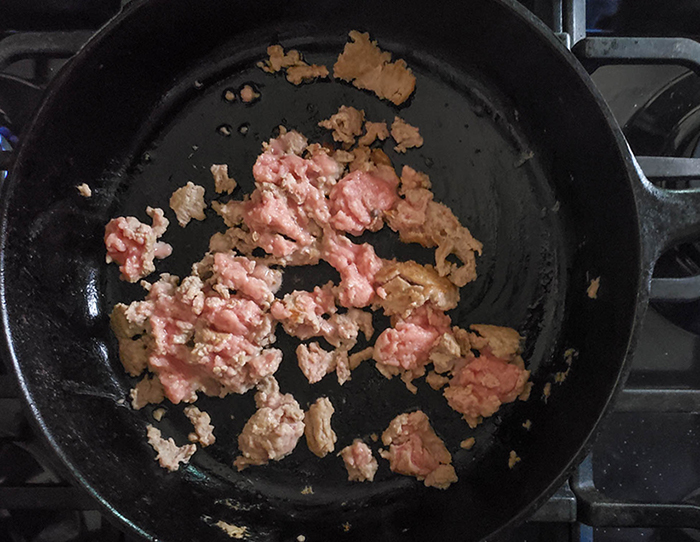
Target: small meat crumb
{"type": "Point", "coordinates": [302, 73]}
{"type": "Point", "coordinates": [188, 203]}
{"type": "Point", "coordinates": [374, 437]}
{"type": "Point", "coordinates": [569, 355]}
{"type": "Point", "coordinates": [359, 462]}
{"type": "Point", "coordinates": [346, 526]}
{"type": "Point", "coordinates": [229, 95]}
{"type": "Point", "coordinates": [298, 71]}
{"type": "Point", "coordinates": [527, 424]}
{"type": "Point", "coordinates": [593, 288]}
{"type": "Point", "coordinates": [346, 124]}
{"type": "Point", "coordinates": [370, 68]}
{"type": "Point", "coordinates": [234, 531]}
{"type": "Point", "coordinates": [468, 443]}
{"type": "Point", "coordinates": [373, 131]}
{"type": "Point", "coordinates": [203, 429]}
{"type": "Point", "coordinates": [320, 436]}
{"type": "Point", "coordinates": [405, 135]}
{"type": "Point", "coordinates": [147, 391]}
{"type": "Point", "coordinates": [158, 414]}
{"type": "Point", "coordinates": [170, 455]}
{"type": "Point", "coordinates": [248, 94]}
{"type": "Point", "coordinates": [546, 391]}
{"type": "Point", "coordinates": [307, 490]}
{"type": "Point", "coordinates": [222, 182]}
{"type": "Point", "coordinates": [84, 190]}
{"type": "Point", "coordinates": [513, 459]}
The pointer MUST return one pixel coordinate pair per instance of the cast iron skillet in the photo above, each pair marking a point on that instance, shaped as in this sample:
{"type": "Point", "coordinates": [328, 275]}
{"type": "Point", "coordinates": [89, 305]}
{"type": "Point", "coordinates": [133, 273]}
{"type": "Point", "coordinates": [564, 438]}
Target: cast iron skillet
{"type": "Point", "coordinates": [137, 113]}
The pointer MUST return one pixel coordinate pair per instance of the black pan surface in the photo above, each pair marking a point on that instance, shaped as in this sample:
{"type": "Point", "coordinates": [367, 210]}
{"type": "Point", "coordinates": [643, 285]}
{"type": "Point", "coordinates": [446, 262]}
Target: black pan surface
{"type": "Point", "coordinates": [517, 143]}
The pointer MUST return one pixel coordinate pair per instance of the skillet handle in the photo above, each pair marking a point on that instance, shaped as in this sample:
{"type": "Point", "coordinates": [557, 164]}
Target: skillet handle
{"type": "Point", "coordinates": [668, 217]}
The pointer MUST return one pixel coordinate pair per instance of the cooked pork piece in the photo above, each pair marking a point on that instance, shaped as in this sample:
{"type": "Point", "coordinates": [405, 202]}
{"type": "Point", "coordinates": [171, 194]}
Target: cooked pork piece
{"type": "Point", "coordinates": [320, 436]}
{"type": "Point", "coordinates": [359, 462]}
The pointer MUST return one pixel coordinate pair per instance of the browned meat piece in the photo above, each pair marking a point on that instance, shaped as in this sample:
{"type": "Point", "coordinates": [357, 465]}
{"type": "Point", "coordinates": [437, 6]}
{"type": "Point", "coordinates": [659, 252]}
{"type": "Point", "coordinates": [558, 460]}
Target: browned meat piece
{"type": "Point", "coordinates": [513, 459]}
{"type": "Point", "coordinates": [359, 462]}
{"type": "Point", "coordinates": [346, 124]}
{"type": "Point", "coordinates": [302, 73]}
{"type": "Point", "coordinates": [248, 94]}
{"type": "Point", "coordinates": [419, 219]}
{"type": "Point", "coordinates": [435, 380]}
{"type": "Point", "coordinates": [170, 455]}
{"type": "Point", "coordinates": [84, 190]}
{"type": "Point", "coordinates": [405, 286]}
{"type": "Point", "coordinates": [278, 59]}
{"type": "Point", "coordinates": [188, 203]}
{"type": "Point", "coordinates": [222, 182]}
{"type": "Point", "coordinates": [468, 443]}
{"type": "Point", "coordinates": [315, 362]}
{"type": "Point", "coordinates": [592, 290]}
{"type": "Point", "coordinates": [415, 450]}
{"type": "Point", "coordinates": [355, 359]}
{"type": "Point", "coordinates": [203, 429]}
{"type": "Point", "coordinates": [147, 391]}
{"type": "Point", "coordinates": [273, 431]}
{"type": "Point", "coordinates": [287, 142]}
{"type": "Point", "coordinates": [405, 135]}
{"type": "Point", "coordinates": [320, 436]}
{"type": "Point", "coordinates": [368, 67]}
{"type": "Point", "coordinates": [445, 353]}
{"type": "Point", "coordinates": [373, 131]}
{"type": "Point", "coordinates": [504, 342]}
{"type": "Point", "coordinates": [129, 326]}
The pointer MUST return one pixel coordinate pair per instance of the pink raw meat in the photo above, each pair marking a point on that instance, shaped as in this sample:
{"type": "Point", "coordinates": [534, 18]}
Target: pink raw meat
{"type": "Point", "coordinates": [256, 281]}
{"type": "Point", "coordinates": [479, 386]}
{"type": "Point", "coordinates": [357, 265]}
{"type": "Point", "coordinates": [408, 344]}
{"type": "Point", "coordinates": [360, 198]}
{"type": "Point", "coordinates": [133, 245]}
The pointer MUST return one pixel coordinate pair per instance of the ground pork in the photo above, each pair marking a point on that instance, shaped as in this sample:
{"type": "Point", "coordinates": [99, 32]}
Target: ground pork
{"type": "Point", "coordinates": [481, 385]}
{"type": "Point", "coordinates": [446, 352]}
{"type": "Point", "coordinates": [251, 279]}
{"type": "Point", "coordinates": [359, 462]}
{"type": "Point", "coordinates": [302, 73]}
{"type": "Point", "coordinates": [405, 135]}
{"type": "Point", "coordinates": [320, 436]}
{"type": "Point", "coordinates": [419, 219]}
{"type": "Point", "coordinates": [301, 313]}
{"type": "Point", "coordinates": [274, 430]}
{"type": "Point", "coordinates": [170, 455]}
{"type": "Point", "coordinates": [188, 203]}
{"type": "Point", "coordinates": [203, 429]}
{"type": "Point", "coordinates": [199, 340]}
{"type": "Point", "coordinates": [133, 245]}
{"type": "Point", "coordinates": [363, 63]}
{"type": "Point", "coordinates": [408, 343]}
{"type": "Point", "coordinates": [415, 450]}
{"type": "Point", "coordinates": [435, 380]}
{"type": "Point", "coordinates": [357, 265]}
{"type": "Point", "coordinates": [405, 286]}
{"type": "Point", "coordinates": [129, 324]}
{"type": "Point", "coordinates": [84, 190]}
{"type": "Point", "coordinates": [373, 131]}
{"type": "Point", "coordinates": [359, 200]}
{"type": "Point", "coordinates": [248, 94]}
{"type": "Point", "coordinates": [467, 443]}
{"type": "Point", "coordinates": [222, 182]}
{"type": "Point", "coordinates": [504, 342]}
{"type": "Point", "coordinates": [147, 391]}
{"type": "Point", "coordinates": [315, 362]}
{"type": "Point", "coordinates": [346, 124]}
{"type": "Point", "coordinates": [592, 290]}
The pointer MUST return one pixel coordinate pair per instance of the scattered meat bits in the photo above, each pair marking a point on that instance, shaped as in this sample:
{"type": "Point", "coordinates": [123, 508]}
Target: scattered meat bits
{"type": "Point", "coordinates": [468, 443]}
{"type": "Point", "coordinates": [370, 68]}
{"type": "Point", "coordinates": [147, 391]}
{"type": "Point", "coordinates": [359, 462]}
{"type": "Point", "coordinates": [435, 380]}
{"type": "Point", "coordinates": [84, 190]}
{"type": "Point", "coordinates": [158, 414]}
{"type": "Point", "coordinates": [303, 73]}
{"type": "Point", "coordinates": [320, 436]}
{"type": "Point", "coordinates": [405, 135]}
{"type": "Point", "coordinates": [527, 424]}
{"type": "Point", "coordinates": [188, 203]}
{"type": "Point", "coordinates": [298, 71]}
{"type": "Point", "coordinates": [273, 431]}
{"type": "Point", "coordinates": [233, 531]}
{"type": "Point", "coordinates": [373, 131]}
{"type": "Point", "coordinates": [222, 182]}
{"type": "Point", "coordinates": [203, 429]}
{"type": "Point", "coordinates": [248, 94]}
{"type": "Point", "coordinates": [546, 391]}
{"type": "Point", "coordinates": [133, 245]}
{"type": "Point", "coordinates": [513, 459]}
{"type": "Point", "coordinates": [170, 455]}
{"type": "Point", "coordinates": [307, 490]}
{"type": "Point", "coordinates": [593, 288]}
{"type": "Point", "coordinates": [415, 450]}
{"type": "Point", "coordinates": [346, 124]}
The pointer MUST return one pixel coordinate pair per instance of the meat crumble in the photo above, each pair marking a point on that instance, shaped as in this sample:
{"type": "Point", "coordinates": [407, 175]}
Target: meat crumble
{"type": "Point", "coordinates": [359, 462]}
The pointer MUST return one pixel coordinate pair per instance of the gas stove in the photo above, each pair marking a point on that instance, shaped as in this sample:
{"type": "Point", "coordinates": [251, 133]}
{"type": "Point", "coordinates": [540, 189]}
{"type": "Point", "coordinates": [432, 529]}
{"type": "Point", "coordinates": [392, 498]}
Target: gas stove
{"type": "Point", "coordinates": [642, 479]}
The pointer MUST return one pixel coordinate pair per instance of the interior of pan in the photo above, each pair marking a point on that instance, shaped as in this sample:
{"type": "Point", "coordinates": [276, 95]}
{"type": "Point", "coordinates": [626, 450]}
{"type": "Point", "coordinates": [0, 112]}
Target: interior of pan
{"type": "Point", "coordinates": [515, 144]}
